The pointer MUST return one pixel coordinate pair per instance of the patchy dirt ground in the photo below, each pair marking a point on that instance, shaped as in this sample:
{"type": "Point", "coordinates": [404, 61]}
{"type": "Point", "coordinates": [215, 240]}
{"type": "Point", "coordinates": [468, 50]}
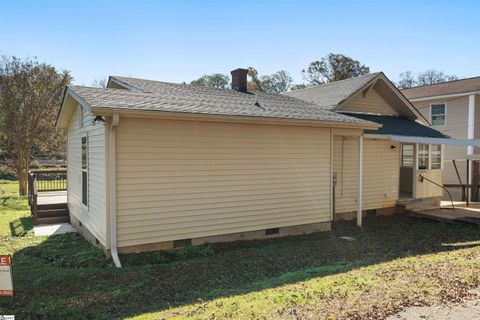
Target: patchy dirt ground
{"type": "Point", "coordinates": [469, 309]}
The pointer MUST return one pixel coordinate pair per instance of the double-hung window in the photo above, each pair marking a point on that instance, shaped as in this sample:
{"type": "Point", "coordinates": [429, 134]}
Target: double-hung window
{"type": "Point", "coordinates": [407, 155]}
{"type": "Point", "coordinates": [423, 156]}
{"type": "Point", "coordinates": [85, 170]}
{"type": "Point", "coordinates": [438, 114]}
{"type": "Point", "coordinates": [436, 156]}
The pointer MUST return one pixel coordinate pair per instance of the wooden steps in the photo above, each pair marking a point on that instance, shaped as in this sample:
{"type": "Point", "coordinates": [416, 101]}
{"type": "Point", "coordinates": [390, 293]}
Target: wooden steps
{"type": "Point", "coordinates": [51, 213]}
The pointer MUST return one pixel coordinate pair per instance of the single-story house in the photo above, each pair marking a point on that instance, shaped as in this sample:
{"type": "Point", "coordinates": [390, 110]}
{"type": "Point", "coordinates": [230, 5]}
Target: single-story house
{"type": "Point", "coordinates": [155, 165]}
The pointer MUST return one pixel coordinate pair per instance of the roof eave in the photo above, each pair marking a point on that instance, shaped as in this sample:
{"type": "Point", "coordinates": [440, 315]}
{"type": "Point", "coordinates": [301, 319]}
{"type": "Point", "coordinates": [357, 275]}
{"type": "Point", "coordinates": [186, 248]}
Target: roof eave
{"type": "Point", "coordinates": [445, 96]}
{"type": "Point", "coordinates": [366, 125]}
{"type": "Point", "coordinates": [62, 116]}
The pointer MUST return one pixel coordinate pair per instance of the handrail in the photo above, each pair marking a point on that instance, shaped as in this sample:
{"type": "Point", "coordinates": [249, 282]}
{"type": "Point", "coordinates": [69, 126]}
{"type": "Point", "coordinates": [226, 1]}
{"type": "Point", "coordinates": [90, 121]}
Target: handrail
{"type": "Point", "coordinates": [439, 185]}
{"type": "Point", "coordinates": [44, 180]}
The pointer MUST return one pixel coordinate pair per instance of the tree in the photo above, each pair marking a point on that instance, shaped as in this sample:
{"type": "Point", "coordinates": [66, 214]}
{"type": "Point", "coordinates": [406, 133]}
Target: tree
{"type": "Point", "coordinates": [298, 86]}
{"type": "Point", "coordinates": [431, 76]}
{"type": "Point", "coordinates": [407, 80]}
{"type": "Point", "coordinates": [333, 67]}
{"type": "Point", "coordinates": [30, 95]}
{"type": "Point", "coordinates": [278, 82]}
{"type": "Point", "coordinates": [100, 83]}
{"type": "Point", "coordinates": [216, 80]}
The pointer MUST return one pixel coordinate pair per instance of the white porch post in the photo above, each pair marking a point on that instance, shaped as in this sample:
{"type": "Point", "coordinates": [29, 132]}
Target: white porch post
{"type": "Point", "coordinates": [360, 182]}
{"type": "Point", "coordinates": [470, 135]}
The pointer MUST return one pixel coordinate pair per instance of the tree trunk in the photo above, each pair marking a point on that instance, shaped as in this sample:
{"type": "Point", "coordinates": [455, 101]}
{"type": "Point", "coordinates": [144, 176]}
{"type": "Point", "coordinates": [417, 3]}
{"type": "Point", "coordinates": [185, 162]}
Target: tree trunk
{"type": "Point", "coordinates": [22, 182]}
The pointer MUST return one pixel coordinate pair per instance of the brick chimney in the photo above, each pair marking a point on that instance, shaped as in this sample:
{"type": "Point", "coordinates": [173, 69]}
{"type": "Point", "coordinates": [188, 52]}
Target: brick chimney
{"type": "Point", "coordinates": [239, 79]}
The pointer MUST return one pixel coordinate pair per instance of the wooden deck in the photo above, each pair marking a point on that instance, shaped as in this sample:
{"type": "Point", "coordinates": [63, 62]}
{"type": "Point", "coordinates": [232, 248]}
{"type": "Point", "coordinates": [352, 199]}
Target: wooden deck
{"type": "Point", "coordinates": [52, 197]}
{"type": "Point", "coordinates": [445, 213]}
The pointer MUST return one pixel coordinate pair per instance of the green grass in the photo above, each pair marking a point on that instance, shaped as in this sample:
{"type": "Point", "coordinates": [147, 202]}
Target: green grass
{"type": "Point", "coordinates": [394, 262]}
{"type": "Point", "coordinates": [8, 188]}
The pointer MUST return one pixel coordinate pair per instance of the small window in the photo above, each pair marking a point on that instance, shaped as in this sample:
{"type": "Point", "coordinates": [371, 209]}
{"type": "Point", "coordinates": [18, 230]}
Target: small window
{"type": "Point", "coordinates": [436, 156]}
{"type": "Point", "coordinates": [437, 112]}
{"type": "Point", "coordinates": [423, 156]}
{"type": "Point", "coordinates": [407, 155]}
{"type": "Point", "coordinates": [85, 170]}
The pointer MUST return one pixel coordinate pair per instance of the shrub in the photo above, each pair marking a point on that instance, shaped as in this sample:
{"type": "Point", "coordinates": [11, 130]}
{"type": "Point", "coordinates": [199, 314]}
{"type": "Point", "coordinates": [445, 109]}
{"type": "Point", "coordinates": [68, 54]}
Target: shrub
{"type": "Point", "coordinates": [7, 174]}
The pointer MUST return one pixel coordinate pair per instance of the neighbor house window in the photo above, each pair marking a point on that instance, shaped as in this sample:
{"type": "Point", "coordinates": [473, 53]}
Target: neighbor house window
{"type": "Point", "coordinates": [407, 155]}
{"type": "Point", "coordinates": [85, 170]}
{"type": "Point", "coordinates": [437, 112]}
{"type": "Point", "coordinates": [423, 156]}
{"type": "Point", "coordinates": [436, 156]}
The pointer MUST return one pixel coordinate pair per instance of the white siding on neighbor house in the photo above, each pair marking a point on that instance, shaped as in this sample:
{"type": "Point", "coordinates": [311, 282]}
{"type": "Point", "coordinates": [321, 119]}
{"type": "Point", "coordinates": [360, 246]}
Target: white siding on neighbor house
{"type": "Point", "coordinates": [93, 217]}
{"type": "Point", "coordinates": [372, 102]}
{"type": "Point", "coordinates": [455, 127]}
{"type": "Point", "coordinates": [186, 179]}
{"type": "Point", "coordinates": [380, 173]}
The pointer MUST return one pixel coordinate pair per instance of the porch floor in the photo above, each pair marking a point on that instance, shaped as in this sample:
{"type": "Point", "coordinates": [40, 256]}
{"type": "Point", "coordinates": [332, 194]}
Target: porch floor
{"type": "Point", "coordinates": [52, 197]}
{"type": "Point", "coordinates": [445, 213]}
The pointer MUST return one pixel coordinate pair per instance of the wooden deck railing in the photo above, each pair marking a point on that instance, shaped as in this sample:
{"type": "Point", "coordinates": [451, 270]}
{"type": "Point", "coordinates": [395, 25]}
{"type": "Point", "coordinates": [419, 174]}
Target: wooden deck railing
{"type": "Point", "coordinates": [42, 181]}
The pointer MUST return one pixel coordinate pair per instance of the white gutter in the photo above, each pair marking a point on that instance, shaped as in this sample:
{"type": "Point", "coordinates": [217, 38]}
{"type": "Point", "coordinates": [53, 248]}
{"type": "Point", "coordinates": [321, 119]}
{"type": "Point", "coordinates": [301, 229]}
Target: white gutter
{"type": "Point", "coordinates": [113, 189]}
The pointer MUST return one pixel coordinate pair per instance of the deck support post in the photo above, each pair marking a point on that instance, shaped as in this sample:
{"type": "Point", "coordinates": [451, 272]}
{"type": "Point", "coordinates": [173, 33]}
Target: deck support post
{"type": "Point", "coordinates": [470, 135]}
{"type": "Point", "coordinates": [360, 181]}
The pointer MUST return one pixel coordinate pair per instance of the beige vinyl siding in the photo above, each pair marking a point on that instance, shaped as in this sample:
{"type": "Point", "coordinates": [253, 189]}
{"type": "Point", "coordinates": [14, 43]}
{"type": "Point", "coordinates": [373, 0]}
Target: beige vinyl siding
{"type": "Point", "coordinates": [372, 102]}
{"type": "Point", "coordinates": [345, 162]}
{"type": "Point", "coordinates": [380, 175]}
{"type": "Point", "coordinates": [426, 189]}
{"type": "Point", "coordinates": [93, 216]}
{"type": "Point", "coordinates": [456, 127]}
{"type": "Point", "coordinates": [187, 179]}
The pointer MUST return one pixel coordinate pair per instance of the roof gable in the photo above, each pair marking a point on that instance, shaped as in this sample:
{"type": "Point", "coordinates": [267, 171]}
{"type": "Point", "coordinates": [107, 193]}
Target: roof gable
{"type": "Point", "coordinates": [370, 101]}
{"type": "Point", "coordinates": [336, 95]}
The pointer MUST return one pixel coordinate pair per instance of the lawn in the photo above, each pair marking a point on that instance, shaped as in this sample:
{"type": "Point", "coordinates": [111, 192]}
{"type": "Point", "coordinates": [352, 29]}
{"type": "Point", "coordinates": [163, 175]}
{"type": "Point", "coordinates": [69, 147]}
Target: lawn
{"type": "Point", "coordinates": [392, 263]}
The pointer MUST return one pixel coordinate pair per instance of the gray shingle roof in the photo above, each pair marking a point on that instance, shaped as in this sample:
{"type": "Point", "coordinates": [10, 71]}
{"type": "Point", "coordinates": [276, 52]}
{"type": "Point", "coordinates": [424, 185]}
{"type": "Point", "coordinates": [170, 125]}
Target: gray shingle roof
{"type": "Point", "coordinates": [169, 97]}
{"type": "Point", "coordinates": [444, 88]}
{"type": "Point", "coordinates": [399, 126]}
{"type": "Point", "coordinates": [330, 95]}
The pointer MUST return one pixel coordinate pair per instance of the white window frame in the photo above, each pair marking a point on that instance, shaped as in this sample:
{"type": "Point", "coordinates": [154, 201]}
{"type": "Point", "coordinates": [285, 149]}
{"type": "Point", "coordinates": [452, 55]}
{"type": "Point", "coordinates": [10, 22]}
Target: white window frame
{"type": "Point", "coordinates": [444, 114]}
{"type": "Point", "coordinates": [85, 170]}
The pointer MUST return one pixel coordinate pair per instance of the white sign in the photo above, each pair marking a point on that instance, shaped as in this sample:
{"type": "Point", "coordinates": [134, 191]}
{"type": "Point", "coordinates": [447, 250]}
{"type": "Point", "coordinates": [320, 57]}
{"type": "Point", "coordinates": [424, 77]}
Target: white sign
{"type": "Point", "coordinates": [6, 283]}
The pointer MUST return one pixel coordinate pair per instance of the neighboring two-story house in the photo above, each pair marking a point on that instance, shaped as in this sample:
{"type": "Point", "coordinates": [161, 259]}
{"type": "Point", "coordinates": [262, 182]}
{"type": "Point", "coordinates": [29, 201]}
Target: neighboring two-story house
{"type": "Point", "coordinates": [453, 108]}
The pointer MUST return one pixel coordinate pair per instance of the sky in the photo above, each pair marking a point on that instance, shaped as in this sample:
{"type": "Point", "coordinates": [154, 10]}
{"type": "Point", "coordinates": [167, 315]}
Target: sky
{"type": "Point", "coordinates": [181, 40]}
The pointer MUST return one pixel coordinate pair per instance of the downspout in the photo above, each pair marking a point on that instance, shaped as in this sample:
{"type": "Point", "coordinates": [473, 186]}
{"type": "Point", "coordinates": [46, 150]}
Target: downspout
{"type": "Point", "coordinates": [113, 189]}
{"type": "Point", "coordinates": [360, 182]}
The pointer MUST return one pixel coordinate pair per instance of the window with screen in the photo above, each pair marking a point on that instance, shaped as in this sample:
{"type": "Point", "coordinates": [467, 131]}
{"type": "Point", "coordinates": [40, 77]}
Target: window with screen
{"type": "Point", "coordinates": [423, 156]}
{"type": "Point", "coordinates": [407, 155]}
{"type": "Point", "coordinates": [436, 156]}
{"type": "Point", "coordinates": [437, 112]}
{"type": "Point", "coordinates": [85, 171]}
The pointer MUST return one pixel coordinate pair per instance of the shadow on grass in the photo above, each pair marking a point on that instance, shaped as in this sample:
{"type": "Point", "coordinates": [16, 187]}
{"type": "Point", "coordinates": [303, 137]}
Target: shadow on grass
{"type": "Point", "coordinates": [21, 226]}
{"type": "Point", "coordinates": [64, 277]}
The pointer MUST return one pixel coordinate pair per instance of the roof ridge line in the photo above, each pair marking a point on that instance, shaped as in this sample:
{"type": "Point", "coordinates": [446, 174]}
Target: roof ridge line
{"type": "Point", "coordinates": [434, 84]}
{"type": "Point", "coordinates": [335, 82]}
